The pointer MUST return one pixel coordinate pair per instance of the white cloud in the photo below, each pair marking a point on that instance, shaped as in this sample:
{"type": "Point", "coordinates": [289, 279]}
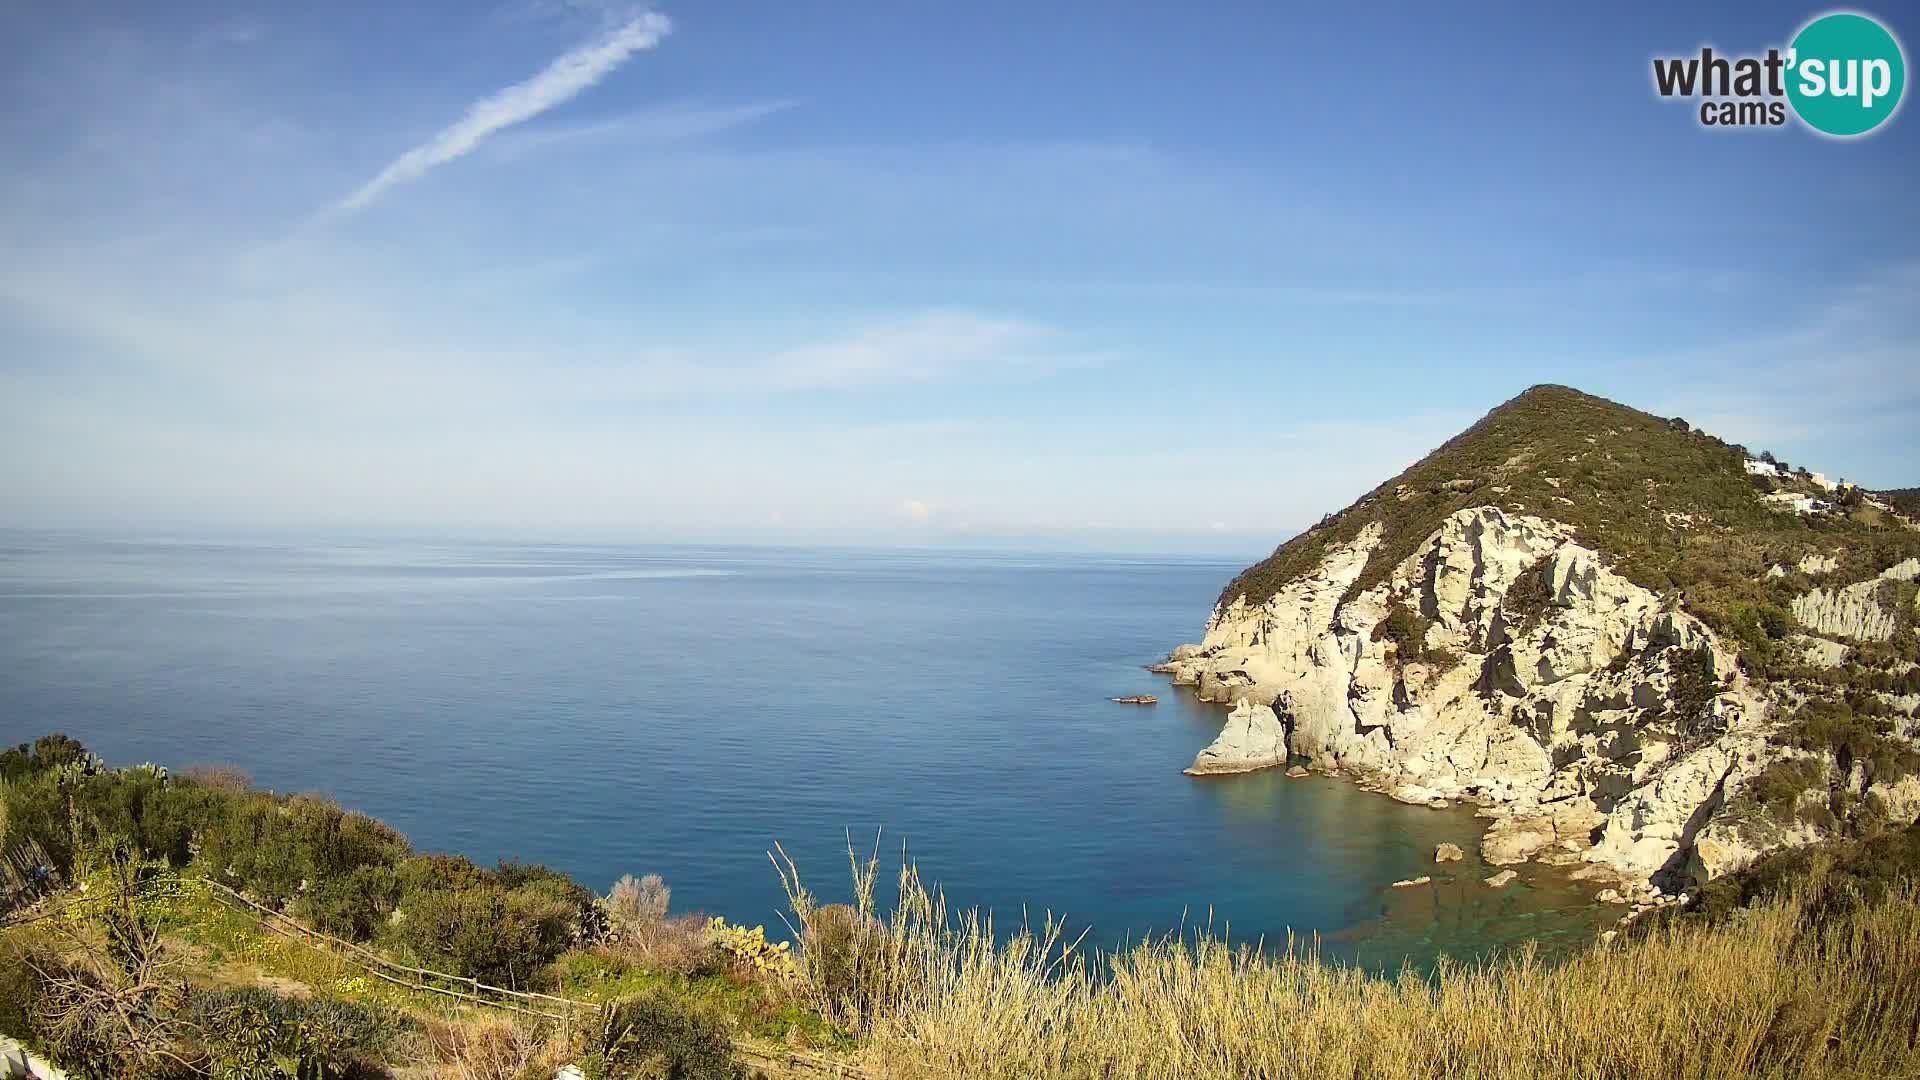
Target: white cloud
{"type": "Point", "coordinates": [676, 120]}
{"type": "Point", "coordinates": [916, 510]}
{"type": "Point", "coordinates": [920, 348]}
{"type": "Point", "coordinates": [566, 77]}
{"type": "Point", "coordinates": [230, 33]}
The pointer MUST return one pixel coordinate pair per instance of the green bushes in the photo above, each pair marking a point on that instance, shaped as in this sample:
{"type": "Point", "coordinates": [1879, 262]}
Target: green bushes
{"type": "Point", "coordinates": [842, 949]}
{"type": "Point", "coordinates": [1759, 629]}
{"type": "Point", "coordinates": [355, 906]}
{"type": "Point", "coordinates": [1691, 696]}
{"type": "Point", "coordinates": [264, 844]}
{"type": "Point", "coordinates": [1408, 632]}
{"type": "Point", "coordinates": [473, 924]}
{"type": "Point", "coordinates": [44, 754]}
{"type": "Point", "coordinates": [1853, 737]}
{"type": "Point", "coordinates": [19, 985]}
{"type": "Point", "coordinates": [258, 1035]}
{"type": "Point", "coordinates": [269, 845]}
{"type": "Point", "coordinates": [1528, 598]}
{"type": "Point", "coordinates": [1778, 788]}
{"type": "Point", "coordinates": [1838, 877]}
{"type": "Point", "coordinates": [653, 1036]}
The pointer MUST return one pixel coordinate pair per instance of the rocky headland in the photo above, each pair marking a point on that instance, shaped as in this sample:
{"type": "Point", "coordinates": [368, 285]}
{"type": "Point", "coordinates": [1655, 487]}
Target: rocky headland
{"type": "Point", "coordinates": [1631, 713]}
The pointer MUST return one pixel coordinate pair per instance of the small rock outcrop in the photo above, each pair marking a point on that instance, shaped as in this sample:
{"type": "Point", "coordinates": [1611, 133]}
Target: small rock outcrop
{"type": "Point", "coordinates": [1448, 853]}
{"type": "Point", "coordinates": [1253, 739]}
{"type": "Point", "coordinates": [1502, 879]}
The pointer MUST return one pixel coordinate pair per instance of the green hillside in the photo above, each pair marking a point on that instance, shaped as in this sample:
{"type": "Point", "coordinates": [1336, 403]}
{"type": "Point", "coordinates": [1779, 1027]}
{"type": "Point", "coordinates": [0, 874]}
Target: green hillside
{"type": "Point", "coordinates": [1670, 507]}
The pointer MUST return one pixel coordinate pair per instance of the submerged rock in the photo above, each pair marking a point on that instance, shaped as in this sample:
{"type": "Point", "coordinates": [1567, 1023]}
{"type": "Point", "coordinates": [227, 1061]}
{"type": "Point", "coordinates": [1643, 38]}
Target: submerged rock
{"type": "Point", "coordinates": [1516, 839]}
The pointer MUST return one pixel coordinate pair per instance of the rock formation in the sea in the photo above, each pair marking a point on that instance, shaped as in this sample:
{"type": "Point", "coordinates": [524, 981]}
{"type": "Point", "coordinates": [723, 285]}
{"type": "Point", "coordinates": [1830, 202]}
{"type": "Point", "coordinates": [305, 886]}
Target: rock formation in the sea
{"type": "Point", "coordinates": [1252, 739]}
{"type": "Point", "coordinates": [1566, 616]}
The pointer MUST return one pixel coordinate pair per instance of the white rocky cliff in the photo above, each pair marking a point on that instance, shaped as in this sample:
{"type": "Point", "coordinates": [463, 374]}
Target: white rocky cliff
{"type": "Point", "coordinates": [1252, 739]}
{"type": "Point", "coordinates": [1560, 719]}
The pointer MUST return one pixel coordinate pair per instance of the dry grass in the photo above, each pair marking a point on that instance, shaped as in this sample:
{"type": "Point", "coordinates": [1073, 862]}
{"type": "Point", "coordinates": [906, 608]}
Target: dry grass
{"type": "Point", "coordinates": [682, 945]}
{"type": "Point", "coordinates": [1778, 993]}
{"type": "Point", "coordinates": [228, 778]}
{"type": "Point", "coordinates": [493, 1049]}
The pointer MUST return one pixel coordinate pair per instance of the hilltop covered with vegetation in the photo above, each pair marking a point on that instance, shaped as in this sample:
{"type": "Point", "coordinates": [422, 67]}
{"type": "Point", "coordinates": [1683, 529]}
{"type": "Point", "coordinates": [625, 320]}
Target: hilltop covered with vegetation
{"type": "Point", "coordinates": [1671, 508]}
{"type": "Point", "coordinates": [116, 959]}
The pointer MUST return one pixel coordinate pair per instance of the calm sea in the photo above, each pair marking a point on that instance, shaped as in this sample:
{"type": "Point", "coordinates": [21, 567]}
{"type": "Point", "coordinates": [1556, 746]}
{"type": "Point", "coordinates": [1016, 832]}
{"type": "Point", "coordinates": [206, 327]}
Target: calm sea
{"type": "Point", "coordinates": [677, 710]}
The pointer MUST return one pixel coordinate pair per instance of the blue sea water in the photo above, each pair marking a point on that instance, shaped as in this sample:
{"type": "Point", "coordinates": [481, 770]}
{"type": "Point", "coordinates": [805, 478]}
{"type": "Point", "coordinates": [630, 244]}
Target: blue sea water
{"type": "Point", "coordinates": [677, 710]}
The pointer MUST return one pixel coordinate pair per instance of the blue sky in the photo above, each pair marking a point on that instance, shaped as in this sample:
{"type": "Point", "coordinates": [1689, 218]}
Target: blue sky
{"type": "Point", "coordinates": [1109, 275]}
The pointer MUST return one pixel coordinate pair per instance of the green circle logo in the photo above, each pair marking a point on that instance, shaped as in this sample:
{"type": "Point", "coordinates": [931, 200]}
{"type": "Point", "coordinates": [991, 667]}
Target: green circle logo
{"type": "Point", "coordinates": [1845, 74]}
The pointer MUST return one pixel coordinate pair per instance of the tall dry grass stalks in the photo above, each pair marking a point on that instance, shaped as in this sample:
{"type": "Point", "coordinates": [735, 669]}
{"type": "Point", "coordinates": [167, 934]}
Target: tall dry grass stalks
{"type": "Point", "coordinates": [1777, 993]}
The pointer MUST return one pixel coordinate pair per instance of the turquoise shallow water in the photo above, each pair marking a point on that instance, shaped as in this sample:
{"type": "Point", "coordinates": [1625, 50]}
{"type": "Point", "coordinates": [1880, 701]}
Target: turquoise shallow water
{"type": "Point", "coordinates": [677, 710]}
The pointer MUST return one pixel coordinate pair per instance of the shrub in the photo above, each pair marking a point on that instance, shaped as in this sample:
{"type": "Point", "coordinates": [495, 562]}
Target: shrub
{"type": "Point", "coordinates": [469, 931]}
{"type": "Point", "coordinates": [1778, 788]}
{"type": "Point", "coordinates": [1406, 629]}
{"type": "Point", "coordinates": [652, 1035]}
{"type": "Point", "coordinates": [254, 1034]}
{"type": "Point", "coordinates": [568, 911]}
{"type": "Point", "coordinates": [425, 872]}
{"type": "Point", "coordinates": [1528, 598]}
{"type": "Point", "coordinates": [1759, 628]}
{"type": "Point", "coordinates": [1691, 695]}
{"type": "Point", "coordinates": [844, 952]}
{"type": "Point", "coordinates": [639, 901]}
{"type": "Point", "coordinates": [19, 985]}
{"type": "Point", "coordinates": [105, 998]}
{"type": "Point", "coordinates": [681, 946]}
{"type": "Point", "coordinates": [354, 906]}
{"type": "Point", "coordinates": [44, 754]}
{"type": "Point", "coordinates": [496, 1050]}
{"type": "Point", "coordinates": [488, 932]}
{"type": "Point", "coordinates": [222, 778]}
{"type": "Point", "coordinates": [1831, 725]}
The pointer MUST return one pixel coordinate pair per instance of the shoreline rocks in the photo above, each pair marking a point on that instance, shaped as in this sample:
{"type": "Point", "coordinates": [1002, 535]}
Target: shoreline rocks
{"type": "Point", "coordinates": [1253, 738]}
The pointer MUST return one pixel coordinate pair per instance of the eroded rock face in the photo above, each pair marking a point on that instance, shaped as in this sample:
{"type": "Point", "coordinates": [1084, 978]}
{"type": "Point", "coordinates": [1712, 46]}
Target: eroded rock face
{"type": "Point", "coordinates": [1556, 714]}
{"type": "Point", "coordinates": [1854, 611]}
{"type": "Point", "coordinates": [1556, 717]}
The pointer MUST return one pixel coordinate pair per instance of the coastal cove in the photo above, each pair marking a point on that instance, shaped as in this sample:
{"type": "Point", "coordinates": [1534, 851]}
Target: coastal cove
{"type": "Point", "coordinates": [676, 710]}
